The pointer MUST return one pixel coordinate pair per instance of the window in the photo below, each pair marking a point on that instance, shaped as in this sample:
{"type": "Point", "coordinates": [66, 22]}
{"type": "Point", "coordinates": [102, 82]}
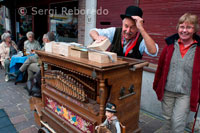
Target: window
{"type": "Point", "coordinates": [62, 23]}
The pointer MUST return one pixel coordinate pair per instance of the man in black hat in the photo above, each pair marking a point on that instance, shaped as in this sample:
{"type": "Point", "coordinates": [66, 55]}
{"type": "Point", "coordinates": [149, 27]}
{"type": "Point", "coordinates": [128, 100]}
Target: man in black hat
{"type": "Point", "coordinates": [111, 123]}
{"type": "Point", "coordinates": [131, 40]}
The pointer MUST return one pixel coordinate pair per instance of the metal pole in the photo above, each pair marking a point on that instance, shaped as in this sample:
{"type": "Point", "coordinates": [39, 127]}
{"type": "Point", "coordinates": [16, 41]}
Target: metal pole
{"type": "Point", "coordinates": [195, 118]}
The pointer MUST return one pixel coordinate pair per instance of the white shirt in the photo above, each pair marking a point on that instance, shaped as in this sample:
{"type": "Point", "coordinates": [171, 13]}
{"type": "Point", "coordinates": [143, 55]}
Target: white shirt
{"type": "Point", "coordinates": [110, 32]}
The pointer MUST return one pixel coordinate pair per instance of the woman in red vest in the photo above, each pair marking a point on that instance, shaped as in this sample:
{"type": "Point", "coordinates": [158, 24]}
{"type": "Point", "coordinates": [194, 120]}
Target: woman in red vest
{"type": "Point", "coordinates": [177, 79]}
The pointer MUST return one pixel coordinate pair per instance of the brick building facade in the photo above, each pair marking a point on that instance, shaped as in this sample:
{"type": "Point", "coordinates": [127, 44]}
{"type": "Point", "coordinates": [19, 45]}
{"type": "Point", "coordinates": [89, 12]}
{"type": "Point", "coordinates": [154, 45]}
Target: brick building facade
{"type": "Point", "coordinates": [160, 16]}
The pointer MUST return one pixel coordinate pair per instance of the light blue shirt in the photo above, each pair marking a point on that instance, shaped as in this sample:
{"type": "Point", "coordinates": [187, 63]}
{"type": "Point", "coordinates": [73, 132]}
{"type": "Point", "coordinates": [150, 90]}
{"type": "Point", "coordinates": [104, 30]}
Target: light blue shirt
{"type": "Point", "coordinates": [110, 32]}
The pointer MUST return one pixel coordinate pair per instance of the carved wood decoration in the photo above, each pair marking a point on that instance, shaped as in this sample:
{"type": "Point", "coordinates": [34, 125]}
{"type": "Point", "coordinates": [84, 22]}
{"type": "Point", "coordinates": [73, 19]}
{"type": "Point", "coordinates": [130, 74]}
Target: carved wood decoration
{"type": "Point", "coordinates": [75, 91]}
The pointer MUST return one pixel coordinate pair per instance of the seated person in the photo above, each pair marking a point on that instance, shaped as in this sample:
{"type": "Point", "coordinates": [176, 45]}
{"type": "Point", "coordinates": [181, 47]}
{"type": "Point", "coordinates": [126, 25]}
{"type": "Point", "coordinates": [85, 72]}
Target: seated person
{"type": "Point", "coordinates": [22, 39]}
{"type": "Point", "coordinates": [31, 64]}
{"type": "Point", "coordinates": [31, 44]}
{"type": "Point", "coordinates": [111, 124]}
{"type": "Point", "coordinates": [34, 67]}
{"type": "Point", "coordinates": [7, 49]}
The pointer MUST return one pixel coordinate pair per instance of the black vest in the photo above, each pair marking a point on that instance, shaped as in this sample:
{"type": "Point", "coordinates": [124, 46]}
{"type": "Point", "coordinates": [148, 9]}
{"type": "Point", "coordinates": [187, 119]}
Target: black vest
{"type": "Point", "coordinates": [116, 46]}
{"type": "Point", "coordinates": [111, 126]}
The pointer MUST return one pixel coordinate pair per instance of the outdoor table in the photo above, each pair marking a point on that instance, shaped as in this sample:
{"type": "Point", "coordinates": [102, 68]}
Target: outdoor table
{"type": "Point", "coordinates": [15, 63]}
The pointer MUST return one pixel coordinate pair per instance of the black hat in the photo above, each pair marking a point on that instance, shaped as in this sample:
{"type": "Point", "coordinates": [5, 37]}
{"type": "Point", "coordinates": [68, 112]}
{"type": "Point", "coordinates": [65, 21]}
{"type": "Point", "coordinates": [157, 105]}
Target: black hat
{"type": "Point", "coordinates": [132, 11]}
{"type": "Point", "coordinates": [110, 107]}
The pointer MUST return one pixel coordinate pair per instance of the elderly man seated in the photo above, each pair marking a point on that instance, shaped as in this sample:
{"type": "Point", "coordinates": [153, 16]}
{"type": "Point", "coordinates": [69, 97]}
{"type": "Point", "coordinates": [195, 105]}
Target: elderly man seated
{"type": "Point", "coordinates": [31, 44]}
{"type": "Point", "coordinates": [31, 64]}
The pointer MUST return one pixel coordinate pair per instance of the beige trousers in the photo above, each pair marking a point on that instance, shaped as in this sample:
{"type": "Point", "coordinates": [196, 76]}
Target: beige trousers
{"type": "Point", "coordinates": [30, 60]}
{"type": "Point", "coordinates": [176, 108]}
{"type": "Point", "coordinates": [32, 69]}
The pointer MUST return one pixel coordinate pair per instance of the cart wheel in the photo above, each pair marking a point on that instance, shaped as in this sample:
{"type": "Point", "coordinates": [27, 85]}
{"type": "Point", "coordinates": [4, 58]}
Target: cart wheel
{"type": "Point", "coordinates": [43, 130]}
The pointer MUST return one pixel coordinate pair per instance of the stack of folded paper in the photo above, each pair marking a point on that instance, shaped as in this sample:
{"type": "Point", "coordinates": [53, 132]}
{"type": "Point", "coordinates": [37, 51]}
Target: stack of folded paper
{"type": "Point", "coordinates": [60, 48]}
{"type": "Point", "coordinates": [102, 46]}
{"type": "Point", "coordinates": [64, 48]}
{"type": "Point", "coordinates": [78, 52]}
{"type": "Point", "coordinates": [101, 56]}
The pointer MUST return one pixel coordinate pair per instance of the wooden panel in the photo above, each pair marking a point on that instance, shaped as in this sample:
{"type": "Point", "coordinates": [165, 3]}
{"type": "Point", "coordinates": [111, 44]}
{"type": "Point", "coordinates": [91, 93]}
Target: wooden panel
{"type": "Point", "coordinates": [33, 101]}
{"type": "Point", "coordinates": [130, 103]}
{"type": "Point", "coordinates": [67, 77]}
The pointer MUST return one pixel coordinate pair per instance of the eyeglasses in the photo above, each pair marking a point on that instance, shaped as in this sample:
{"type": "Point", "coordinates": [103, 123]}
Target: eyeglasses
{"type": "Point", "coordinates": [186, 27]}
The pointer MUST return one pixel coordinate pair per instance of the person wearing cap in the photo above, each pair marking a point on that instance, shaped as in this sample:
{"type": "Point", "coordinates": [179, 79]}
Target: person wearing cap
{"type": "Point", "coordinates": [131, 40]}
{"type": "Point", "coordinates": [8, 48]}
{"type": "Point", "coordinates": [111, 123]}
{"type": "Point", "coordinates": [177, 78]}
{"type": "Point", "coordinates": [31, 64]}
{"type": "Point", "coordinates": [31, 44]}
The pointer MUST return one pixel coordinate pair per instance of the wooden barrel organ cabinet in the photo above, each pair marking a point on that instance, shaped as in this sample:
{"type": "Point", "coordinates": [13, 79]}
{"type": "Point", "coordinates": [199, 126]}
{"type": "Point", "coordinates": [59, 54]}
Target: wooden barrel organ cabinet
{"type": "Point", "coordinates": [75, 92]}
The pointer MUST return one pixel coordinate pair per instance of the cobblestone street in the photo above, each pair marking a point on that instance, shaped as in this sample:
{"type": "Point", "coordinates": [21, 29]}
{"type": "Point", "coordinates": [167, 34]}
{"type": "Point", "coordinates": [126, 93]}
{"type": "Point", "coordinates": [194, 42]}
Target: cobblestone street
{"type": "Point", "coordinates": [14, 100]}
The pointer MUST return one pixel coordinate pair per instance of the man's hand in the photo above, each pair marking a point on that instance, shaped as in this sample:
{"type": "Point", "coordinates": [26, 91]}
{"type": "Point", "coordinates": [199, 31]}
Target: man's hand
{"type": "Point", "coordinates": [150, 43]}
{"type": "Point", "coordinates": [32, 51]}
{"type": "Point", "coordinates": [95, 36]}
{"type": "Point", "coordinates": [138, 21]}
{"type": "Point", "coordinates": [96, 128]}
{"type": "Point", "coordinates": [101, 38]}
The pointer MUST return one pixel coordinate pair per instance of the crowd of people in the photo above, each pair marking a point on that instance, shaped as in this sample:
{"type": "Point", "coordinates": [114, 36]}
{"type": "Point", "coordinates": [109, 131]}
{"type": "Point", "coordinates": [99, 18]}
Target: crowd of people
{"type": "Point", "coordinates": [26, 45]}
{"type": "Point", "coordinates": [177, 77]}
{"type": "Point", "coordinates": [31, 65]}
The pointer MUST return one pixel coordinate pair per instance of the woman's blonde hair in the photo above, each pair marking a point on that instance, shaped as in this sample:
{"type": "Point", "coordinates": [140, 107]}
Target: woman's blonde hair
{"type": "Point", "coordinates": [189, 18]}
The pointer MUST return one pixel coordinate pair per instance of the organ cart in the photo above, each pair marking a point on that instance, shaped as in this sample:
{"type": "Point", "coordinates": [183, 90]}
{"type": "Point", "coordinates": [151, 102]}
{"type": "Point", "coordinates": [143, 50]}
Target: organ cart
{"type": "Point", "coordinates": [75, 91]}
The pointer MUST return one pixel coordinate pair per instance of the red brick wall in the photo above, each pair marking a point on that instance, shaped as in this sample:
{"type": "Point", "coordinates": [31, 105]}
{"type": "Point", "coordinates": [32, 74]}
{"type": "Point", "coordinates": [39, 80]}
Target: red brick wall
{"type": "Point", "coordinates": [115, 8]}
{"type": "Point", "coordinates": [161, 16]}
